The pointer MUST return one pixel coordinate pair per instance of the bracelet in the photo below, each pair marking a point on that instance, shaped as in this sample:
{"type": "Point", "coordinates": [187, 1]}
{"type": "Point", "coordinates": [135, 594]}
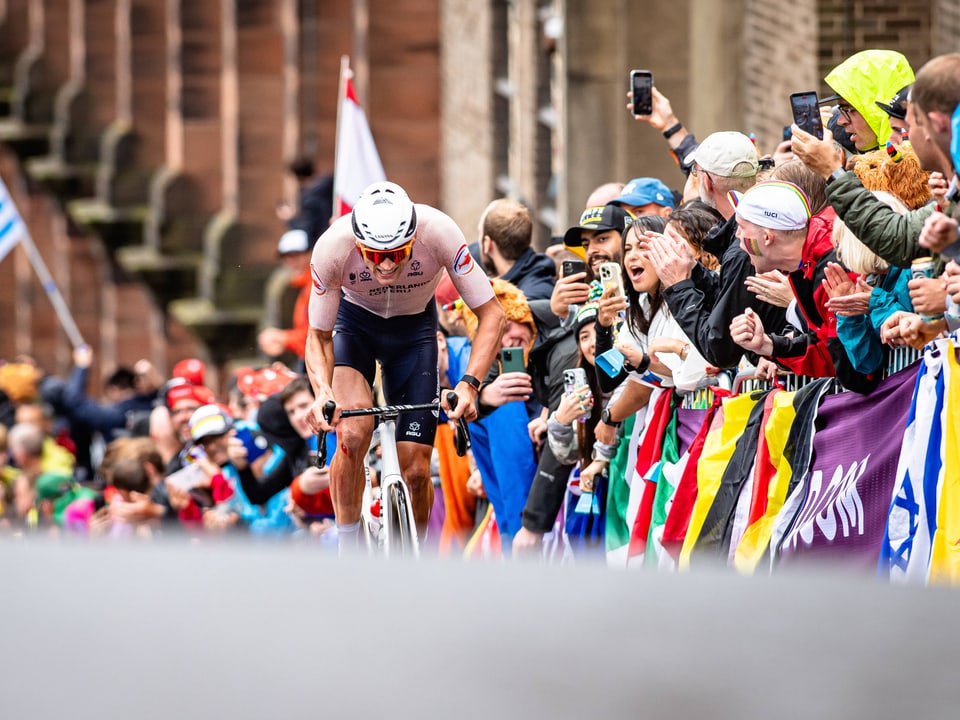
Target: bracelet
{"type": "Point", "coordinates": [471, 381]}
{"type": "Point", "coordinates": [672, 130]}
{"type": "Point", "coordinates": [644, 364]}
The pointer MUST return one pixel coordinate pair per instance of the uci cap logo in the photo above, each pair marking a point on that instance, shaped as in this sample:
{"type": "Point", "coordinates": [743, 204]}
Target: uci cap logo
{"type": "Point", "coordinates": [463, 263]}
{"type": "Point", "coordinates": [318, 287]}
{"type": "Point", "coordinates": [771, 214]}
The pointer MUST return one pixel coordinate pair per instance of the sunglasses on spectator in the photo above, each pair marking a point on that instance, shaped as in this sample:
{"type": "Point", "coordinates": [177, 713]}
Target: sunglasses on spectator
{"type": "Point", "coordinates": [396, 256]}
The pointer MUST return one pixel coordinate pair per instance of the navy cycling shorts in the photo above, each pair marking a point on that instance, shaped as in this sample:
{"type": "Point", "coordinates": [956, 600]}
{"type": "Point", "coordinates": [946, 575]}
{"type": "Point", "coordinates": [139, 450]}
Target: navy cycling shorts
{"type": "Point", "coordinates": [406, 347]}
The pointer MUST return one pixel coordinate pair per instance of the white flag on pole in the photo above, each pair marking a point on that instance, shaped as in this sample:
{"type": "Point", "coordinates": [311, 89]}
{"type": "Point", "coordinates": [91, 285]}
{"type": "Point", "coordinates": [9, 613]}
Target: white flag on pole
{"type": "Point", "coordinates": [12, 229]}
{"type": "Point", "coordinates": [357, 162]}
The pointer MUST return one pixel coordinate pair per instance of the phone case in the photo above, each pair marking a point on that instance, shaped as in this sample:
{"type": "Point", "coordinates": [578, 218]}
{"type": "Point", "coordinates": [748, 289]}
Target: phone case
{"type": "Point", "coordinates": [611, 276]}
{"type": "Point", "coordinates": [511, 360]}
{"type": "Point", "coordinates": [572, 378]}
{"type": "Point", "coordinates": [806, 112]}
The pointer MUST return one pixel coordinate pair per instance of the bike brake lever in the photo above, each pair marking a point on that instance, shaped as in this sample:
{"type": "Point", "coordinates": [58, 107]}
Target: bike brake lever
{"type": "Point", "coordinates": [461, 439]}
{"type": "Point", "coordinates": [329, 408]}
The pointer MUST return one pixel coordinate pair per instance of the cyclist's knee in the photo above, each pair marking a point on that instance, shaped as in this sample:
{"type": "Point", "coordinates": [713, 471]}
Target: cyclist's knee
{"type": "Point", "coordinates": [353, 439]}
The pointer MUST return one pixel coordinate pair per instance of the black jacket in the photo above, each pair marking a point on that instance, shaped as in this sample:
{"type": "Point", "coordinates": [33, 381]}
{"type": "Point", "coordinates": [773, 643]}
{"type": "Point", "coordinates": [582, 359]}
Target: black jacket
{"type": "Point", "coordinates": [705, 304]}
{"type": "Point", "coordinates": [534, 273]}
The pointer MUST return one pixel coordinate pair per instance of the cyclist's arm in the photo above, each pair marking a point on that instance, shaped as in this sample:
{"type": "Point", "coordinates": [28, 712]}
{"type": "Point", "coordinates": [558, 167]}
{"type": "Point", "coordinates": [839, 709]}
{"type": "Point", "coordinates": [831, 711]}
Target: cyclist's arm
{"type": "Point", "coordinates": [318, 357]}
{"type": "Point", "coordinates": [486, 345]}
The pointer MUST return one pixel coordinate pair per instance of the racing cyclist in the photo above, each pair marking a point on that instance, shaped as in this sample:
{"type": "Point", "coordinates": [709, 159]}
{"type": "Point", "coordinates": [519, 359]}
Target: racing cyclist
{"type": "Point", "coordinates": [374, 274]}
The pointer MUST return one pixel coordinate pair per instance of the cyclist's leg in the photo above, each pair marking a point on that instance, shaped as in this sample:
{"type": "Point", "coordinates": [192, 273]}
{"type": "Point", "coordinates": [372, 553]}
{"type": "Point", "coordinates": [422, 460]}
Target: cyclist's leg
{"type": "Point", "coordinates": [347, 477]}
{"type": "Point", "coordinates": [353, 377]}
{"type": "Point", "coordinates": [415, 460]}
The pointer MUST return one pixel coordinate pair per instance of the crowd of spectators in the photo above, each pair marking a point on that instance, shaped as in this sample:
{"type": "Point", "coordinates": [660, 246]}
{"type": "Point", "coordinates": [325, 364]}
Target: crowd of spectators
{"type": "Point", "coordinates": [797, 261]}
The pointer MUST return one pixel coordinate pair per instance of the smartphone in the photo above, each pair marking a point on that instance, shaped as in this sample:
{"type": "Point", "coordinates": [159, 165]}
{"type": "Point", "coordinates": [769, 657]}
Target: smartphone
{"type": "Point", "coordinates": [806, 112]}
{"type": "Point", "coordinates": [571, 267]}
{"type": "Point", "coordinates": [511, 360]}
{"type": "Point", "coordinates": [787, 133]}
{"type": "Point", "coordinates": [641, 85]}
{"type": "Point", "coordinates": [573, 378]}
{"type": "Point", "coordinates": [612, 277]}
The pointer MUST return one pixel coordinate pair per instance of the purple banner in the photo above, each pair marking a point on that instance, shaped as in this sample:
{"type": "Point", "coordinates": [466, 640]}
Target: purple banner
{"type": "Point", "coordinates": [843, 514]}
{"type": "Point", "coordinates": [689, 423]}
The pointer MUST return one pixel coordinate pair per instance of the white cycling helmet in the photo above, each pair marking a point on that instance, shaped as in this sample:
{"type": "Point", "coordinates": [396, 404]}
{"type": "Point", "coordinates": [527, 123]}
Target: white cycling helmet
{"type": "Point", "coordinates": [384, 218]}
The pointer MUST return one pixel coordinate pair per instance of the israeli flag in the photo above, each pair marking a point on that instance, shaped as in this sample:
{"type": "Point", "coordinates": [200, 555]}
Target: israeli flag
{"type": "Point", "coordinates": [12, 229]}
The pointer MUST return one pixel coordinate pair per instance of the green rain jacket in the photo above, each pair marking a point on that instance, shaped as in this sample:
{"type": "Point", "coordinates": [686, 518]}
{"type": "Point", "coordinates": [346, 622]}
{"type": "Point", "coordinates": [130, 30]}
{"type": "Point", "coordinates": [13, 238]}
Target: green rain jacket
{"type": "Point", "coordinates": [868, 76]}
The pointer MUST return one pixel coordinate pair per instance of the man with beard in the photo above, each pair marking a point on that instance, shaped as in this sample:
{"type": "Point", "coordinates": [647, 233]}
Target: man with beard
{"type": "Point", "coordinates": [596, 239]}
{"type": "Point", "coordinates": [506, 232]}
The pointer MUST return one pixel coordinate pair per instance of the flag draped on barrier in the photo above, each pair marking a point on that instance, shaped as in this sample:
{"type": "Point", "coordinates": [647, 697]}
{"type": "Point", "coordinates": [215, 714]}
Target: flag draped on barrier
{"type": "Point", "coordinates": [845, 496]}
{"type": "Point", "coordinates": [357, 160]}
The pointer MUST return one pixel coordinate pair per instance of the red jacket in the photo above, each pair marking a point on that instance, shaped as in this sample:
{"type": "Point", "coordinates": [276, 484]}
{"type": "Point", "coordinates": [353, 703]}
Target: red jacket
{"type": "Point", "coordinates": [807, 353]}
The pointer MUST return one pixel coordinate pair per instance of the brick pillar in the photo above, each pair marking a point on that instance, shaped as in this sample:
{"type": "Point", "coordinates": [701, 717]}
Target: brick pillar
{"type": "Point", "coordinates": [403, 97]}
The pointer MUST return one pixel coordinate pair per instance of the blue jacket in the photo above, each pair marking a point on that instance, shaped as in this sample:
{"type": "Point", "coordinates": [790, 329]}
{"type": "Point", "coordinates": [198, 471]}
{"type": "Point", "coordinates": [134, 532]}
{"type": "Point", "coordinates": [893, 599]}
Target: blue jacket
{"type": "Point", "coordinates": [860, 334]}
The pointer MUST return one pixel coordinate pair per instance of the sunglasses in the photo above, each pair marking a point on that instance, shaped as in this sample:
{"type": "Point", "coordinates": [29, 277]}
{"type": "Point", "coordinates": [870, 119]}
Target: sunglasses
{"type": "Point", "coordinates": [396, 256]}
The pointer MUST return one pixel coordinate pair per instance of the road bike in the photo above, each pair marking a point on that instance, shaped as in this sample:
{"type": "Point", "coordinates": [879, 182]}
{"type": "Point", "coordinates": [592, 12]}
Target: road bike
{"type": "Point", "coordinates": [398, 531]}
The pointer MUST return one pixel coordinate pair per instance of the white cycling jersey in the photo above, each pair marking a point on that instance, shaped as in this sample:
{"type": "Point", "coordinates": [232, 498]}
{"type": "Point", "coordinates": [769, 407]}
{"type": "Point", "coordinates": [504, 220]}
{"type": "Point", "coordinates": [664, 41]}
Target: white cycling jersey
{"type": "Point", "coordinates": [337, 266]}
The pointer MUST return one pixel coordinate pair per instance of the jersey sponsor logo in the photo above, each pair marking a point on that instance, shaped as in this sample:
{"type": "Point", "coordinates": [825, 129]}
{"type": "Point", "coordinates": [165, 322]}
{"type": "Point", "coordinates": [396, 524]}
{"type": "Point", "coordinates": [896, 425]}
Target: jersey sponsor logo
{"type": "Point", "coordinates": [414, 269]}
{"type": "Point", "coordinates": [463, 263]}
{"type": "Point", "coordinates": [353, 278]}
{"type": "Point", "coordinates": [365, 275]}
{"type": "Point", "coordinates": [318, 287]}
{"type": "Point", "coordinates": [413, 430]}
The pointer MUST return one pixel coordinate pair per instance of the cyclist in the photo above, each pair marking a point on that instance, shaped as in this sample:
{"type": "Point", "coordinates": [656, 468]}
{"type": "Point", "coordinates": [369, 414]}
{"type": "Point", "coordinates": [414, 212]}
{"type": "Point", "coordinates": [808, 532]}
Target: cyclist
{"type": "Point", "coordinates": [374, 275]}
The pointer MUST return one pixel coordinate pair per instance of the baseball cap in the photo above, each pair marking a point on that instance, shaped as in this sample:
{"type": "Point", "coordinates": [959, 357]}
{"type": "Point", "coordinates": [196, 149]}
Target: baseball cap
{"type": "Point", "coordinates": [599, 218]}
{"type": "Point", "coordinates": [191, 370]}
{"type": "Point", "coordinates": [773, 204]}
{"type": "Point", "coordinates": [293, 241]}
{"type": "Point", "coordinates": [263, 383]}
{"type": "Point", "coordinates": [209, 421]}
{"type": "Point", "coordinates": [897, 107]}
{"type": "Point", "coordinates": [179, 389]}
{"type": "Point", "coordinates": [643, 191]}
{"type": "Point", "coordinates": [721, 153]}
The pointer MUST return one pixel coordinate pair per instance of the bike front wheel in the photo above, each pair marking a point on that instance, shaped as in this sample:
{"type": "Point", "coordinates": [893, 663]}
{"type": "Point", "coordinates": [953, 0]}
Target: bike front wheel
{"type": "Point", "coordinates": [401, 532]}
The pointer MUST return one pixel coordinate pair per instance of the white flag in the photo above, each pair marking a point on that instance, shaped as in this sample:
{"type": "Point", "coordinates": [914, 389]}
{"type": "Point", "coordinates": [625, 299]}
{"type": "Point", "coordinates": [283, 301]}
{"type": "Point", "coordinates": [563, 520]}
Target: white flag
{"type": "Point", "coordinates": [12, 229]}
{"type": "Point", "coordinates": [358, 162]}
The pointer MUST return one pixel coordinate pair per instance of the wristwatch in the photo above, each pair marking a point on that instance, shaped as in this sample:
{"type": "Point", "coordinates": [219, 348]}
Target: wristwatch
{"type": "Point", "coordinates": [606, 420]}
{"type": "Point", "coordinates": [471, 381]}
{"type": "Point", "coordinates": [836, 174]}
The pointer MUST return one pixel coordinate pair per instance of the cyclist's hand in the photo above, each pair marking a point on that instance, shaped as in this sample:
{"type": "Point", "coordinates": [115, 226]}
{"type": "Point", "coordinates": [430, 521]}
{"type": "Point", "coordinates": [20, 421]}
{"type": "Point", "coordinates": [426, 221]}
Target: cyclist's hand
{"type": "Point", "coordinates": [315, 418]}
{"type": "Point", "coordinates": [466, 403]}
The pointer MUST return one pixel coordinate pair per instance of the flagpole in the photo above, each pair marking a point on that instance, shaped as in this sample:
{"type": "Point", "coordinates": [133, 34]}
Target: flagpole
{"type": "Point", "coordinates": [341, 95]}
{"type": "Point", "coordinates": [53, 292]}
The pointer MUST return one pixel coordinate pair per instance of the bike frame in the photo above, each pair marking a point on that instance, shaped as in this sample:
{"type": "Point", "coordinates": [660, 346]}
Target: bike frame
{"type": "Point", "coordinates": [391, 475]}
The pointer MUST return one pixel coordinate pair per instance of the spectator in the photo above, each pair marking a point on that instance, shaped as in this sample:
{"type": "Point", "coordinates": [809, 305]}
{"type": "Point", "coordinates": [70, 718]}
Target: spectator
{"type": "Point", "coordinates": [896, 110]}
{"type": "Point", "coordinates": [295, 250]}
{"type": "Point", "coordinates": [864, 305]}
{"type": "Point", "coordinates": [858, 82]}
{"type": "Point", "coordinates": [702, 302]}
{"type": "Point", "coordinates": [645, 196]}
{"type": "Point", "coordinates": [895, 238]}
{"type": "Point", "coordinates": [506, 232]}
{"type": "Point", "coordinates": [315, 200]}
{"type": "Point", "coordinates": [127, 401]}
{"type": "Point", "coordinates": [774, 218]}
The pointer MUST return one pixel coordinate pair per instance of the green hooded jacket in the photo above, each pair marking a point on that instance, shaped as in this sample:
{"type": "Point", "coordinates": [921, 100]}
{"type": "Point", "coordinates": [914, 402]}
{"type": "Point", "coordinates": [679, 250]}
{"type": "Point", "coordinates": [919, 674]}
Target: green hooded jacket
{"type": "Point", "coordinates": [868, 76]}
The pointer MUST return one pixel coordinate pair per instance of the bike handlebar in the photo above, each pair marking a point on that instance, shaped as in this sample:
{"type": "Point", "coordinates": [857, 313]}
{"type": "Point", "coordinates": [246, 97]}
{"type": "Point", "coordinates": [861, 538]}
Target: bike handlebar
{"type": "Point", "coordinates": [462, 441]}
